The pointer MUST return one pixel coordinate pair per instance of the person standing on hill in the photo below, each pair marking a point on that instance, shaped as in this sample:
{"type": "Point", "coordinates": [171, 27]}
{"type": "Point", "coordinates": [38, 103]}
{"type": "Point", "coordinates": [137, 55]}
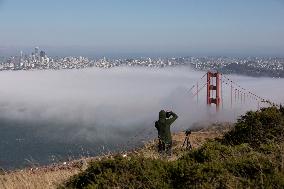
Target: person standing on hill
{"type": "Point", "coordinates": [164, 131]}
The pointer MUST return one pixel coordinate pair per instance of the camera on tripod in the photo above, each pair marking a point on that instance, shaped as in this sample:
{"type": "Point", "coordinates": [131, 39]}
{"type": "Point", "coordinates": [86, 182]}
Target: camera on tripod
{"type": "Point", "coordinates": [187, 132]}
{"type": "Point", "coordinates": [186, 141]}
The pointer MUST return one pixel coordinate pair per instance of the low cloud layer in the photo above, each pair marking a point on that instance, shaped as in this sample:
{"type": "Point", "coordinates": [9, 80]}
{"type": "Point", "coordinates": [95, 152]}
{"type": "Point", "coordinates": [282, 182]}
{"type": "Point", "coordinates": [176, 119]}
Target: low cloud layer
{"type": "Point", "coordinates": [108, 107]}
{"type": "Point", "coordinates": [119, 99]}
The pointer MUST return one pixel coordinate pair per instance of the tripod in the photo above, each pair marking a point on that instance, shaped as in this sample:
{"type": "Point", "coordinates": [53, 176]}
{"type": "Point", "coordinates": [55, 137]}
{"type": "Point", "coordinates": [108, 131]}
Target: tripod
{"type": "Point", "coordinates": [187, 143]}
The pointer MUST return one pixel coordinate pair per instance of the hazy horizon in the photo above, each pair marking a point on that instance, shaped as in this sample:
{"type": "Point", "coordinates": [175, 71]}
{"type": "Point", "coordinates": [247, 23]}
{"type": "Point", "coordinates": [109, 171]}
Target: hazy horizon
{"type": "Point", "coordinates": [91, 53]}
{"type": "Point", "coordinates": [137, 28]}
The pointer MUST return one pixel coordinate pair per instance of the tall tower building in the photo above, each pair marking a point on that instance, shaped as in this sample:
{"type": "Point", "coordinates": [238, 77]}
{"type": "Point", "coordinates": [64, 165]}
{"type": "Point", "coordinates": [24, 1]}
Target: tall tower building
{"type": "Point", "coordinates": [36, 50]}
{"type": "Point", "coordinates": [21, 56]}
{"type": "Point", "coordinates": [42, 54]}
{"type": "Point", "coordinates": [36, 53]}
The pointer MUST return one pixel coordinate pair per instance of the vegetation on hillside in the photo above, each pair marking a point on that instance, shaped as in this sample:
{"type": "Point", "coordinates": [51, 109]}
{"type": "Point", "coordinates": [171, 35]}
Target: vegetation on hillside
{"type": "Point", "coordinates": [251, 155]}
{"type": "Point", "coordinates": [256, 128]}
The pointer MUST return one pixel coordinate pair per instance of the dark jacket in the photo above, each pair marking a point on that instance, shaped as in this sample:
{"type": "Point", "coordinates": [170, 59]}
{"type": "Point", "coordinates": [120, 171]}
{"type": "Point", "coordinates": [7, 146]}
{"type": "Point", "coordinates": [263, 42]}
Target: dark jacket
{"type": "Point", "coordinates": [163, 126]}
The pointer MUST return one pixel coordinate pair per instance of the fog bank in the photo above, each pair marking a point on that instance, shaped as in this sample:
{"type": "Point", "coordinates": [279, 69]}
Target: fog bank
{"type": "Point", "coordinates": [113, 107]}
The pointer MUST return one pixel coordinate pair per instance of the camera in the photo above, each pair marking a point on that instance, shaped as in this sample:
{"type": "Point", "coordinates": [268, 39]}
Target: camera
{"type": "Point", "coordinates": [187, 132]}
{"type": "Point", "coordinates": [168, 114]}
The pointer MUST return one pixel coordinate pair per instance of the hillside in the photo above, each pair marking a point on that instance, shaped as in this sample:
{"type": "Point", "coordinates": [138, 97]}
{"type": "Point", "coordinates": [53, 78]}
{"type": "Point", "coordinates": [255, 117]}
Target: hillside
{"type": "Point", "coordinates": [53, 175]}
{"type": "Point", "coordinates": [250, 155]}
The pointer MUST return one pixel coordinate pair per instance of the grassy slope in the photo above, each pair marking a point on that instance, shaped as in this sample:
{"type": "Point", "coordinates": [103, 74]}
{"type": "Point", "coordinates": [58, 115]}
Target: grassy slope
{"type": "Point", "coordinates": [251, 155]}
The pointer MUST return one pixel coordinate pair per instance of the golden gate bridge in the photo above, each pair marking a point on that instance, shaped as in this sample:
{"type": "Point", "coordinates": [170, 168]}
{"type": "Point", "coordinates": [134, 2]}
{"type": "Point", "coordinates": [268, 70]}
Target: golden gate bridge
{"type": "Point", "coordinates": [215, 82]}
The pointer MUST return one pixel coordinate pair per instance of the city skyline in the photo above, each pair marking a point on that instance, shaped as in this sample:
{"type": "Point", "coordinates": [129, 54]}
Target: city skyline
{"type": "Point", "coordinates": [116, 28]}
{"type": "Point", "coordinates": [251, 66]}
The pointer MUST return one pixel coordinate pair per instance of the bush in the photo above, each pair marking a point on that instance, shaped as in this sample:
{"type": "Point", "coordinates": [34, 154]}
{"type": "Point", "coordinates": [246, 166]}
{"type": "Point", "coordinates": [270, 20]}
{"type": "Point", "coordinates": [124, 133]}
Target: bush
{"type": "Point", "coordinates": [123, 173]}
{"type": "Point", "coordinates": [214, 165]}
{"type": "Point", "coordinates": [281, 108]}
{"type": "Point", "coordinates": [257, 127]}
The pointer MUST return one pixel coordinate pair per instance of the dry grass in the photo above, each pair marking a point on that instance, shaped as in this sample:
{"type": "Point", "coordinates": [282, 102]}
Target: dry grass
{"type": "Point", "coordinates": [197, 138]}
{"type": "Point", "coordinates": [40, 177]}
{"type": "Point", "coordinates": [51, 177]}
{"type": "Point", "coordinates": [35, 180]}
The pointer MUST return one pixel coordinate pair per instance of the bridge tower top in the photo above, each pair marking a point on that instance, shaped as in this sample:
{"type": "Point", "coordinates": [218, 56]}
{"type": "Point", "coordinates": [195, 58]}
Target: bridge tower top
{"type": "Point", "coordinates": [213, 89]}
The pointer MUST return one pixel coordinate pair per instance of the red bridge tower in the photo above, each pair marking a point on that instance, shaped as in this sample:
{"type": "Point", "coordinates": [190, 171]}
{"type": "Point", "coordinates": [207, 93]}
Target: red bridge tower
{"type": "Point", "coordinates": [213, 89]}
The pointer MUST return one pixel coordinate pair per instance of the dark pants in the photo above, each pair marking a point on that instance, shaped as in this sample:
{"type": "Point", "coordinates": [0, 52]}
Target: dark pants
{"type": "Point", "coordinates": [165, 147]}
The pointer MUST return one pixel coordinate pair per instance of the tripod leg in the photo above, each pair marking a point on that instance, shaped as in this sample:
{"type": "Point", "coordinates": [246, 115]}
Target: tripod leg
{"type": "Point", "coordinates": [184, 142]}
{"type": "Point", "coordinates": [187, 143]}
{"type": "Point", "coordinates": [190, 146]}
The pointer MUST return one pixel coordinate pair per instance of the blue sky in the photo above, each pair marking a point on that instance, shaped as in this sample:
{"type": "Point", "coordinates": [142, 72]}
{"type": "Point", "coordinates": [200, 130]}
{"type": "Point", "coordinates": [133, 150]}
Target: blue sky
{"type": "Point", "coordinates": [181, 27]}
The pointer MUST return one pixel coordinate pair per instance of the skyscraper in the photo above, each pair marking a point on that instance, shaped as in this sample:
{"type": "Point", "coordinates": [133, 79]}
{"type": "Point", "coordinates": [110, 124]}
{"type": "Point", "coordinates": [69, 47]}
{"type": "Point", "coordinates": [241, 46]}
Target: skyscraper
{"type": "Point", "coordinates": [21, 56]}
{"type": "Point", "coordinates": [36, 53]}
{"type": "Point", "coordinates": [36, 50]}
{"type": "Point", "coordinates": [42, 54]}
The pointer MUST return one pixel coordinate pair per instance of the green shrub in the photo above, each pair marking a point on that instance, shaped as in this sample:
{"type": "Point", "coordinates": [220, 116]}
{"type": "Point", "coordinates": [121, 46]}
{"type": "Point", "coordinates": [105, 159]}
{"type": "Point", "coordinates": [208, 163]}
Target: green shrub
{"type": "Point", "coordinates": [124, 173]}
{"type": "Point", "coordinates": [214, 165]}
{"type": "Point", "coordinates": [257, 127]}
{"type": "Point", "coordinates": [198, 175]}
{"type": "Point", "coordinates": [281, 109]}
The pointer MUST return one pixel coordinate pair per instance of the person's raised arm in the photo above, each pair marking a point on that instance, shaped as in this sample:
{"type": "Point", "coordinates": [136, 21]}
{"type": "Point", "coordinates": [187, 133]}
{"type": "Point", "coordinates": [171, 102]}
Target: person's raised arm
{"type": "Point", "coordinates": [173, 118]}
{"type": "Point", "coordinates": [156, 124]}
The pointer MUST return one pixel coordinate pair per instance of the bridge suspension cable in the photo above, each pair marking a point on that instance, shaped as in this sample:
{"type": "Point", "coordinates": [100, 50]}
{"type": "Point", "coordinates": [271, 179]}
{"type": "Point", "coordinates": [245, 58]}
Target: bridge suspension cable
{"type": "Point", "coordinates": [248, 93]}
{"type": "Point", "coordinates": [200, 79]}
{"type": "Point", "coordinates": [216, 82]}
